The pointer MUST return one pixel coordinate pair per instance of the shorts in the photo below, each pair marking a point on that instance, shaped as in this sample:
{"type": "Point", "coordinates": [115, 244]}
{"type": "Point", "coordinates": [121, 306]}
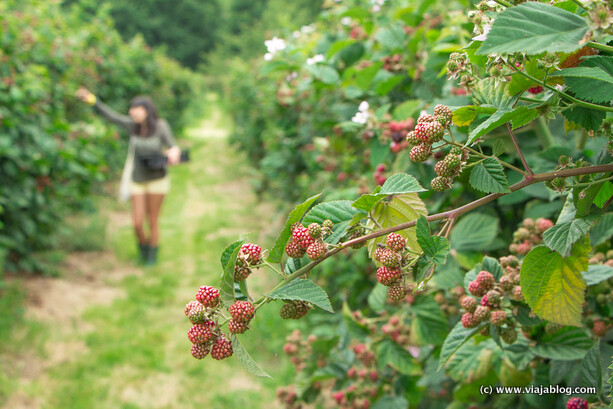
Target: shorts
{"type": "Point", "coordinates": [156, 186]}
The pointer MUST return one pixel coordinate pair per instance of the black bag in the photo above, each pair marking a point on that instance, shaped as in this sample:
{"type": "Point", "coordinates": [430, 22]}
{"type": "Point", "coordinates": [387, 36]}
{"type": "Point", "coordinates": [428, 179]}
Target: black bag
{"type": "Point", "coordinates": [159, 161]}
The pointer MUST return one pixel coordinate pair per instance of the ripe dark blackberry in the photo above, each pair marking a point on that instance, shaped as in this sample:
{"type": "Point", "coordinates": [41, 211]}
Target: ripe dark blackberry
{"type": "Point", "coordinates": [420, 153]}
{"type": "Point", "coordinates": [200, 333]}
{"type": "Point", "coordinates": [475, 289]}
{"type": "Point", "coordinates": [397, 291]}
{"type": "Point", "coordinates": [294, 309]}
{"type": "Point", "coordinates": [508, 335]}
{"type": "Point", "coordinates": [199, 351]}
{"type": "Point", "coordinates": [498, 318]}
{"type": "Point", "coordinates": [485, 280]}
{"type": "Point", "coordinates": [196, 313]}
{"type": "Point", "coordinates": [388, 276]}
{"type": "Point", "coordinates": [440, 184]}
{"type": "Point", "coordinates": [221, 349]}
{"type": "Point", "coordinates": [236, 327]}
{"type": "Point", "coordinates": [468, 321]}
{"type": "Point", "coordinates": [251, 252]}
{"type": "Point", "coordinates": [481, 314]}
{"type": "Point", "coordinates": [316, 250]}
{"type": "Point", "coordinates": [302, 238]}
{"type": "Point", "coordinates": [314, 230]}
{"type": "Point", "coordinates": [443, 112]}
{"type": "Point", "coordinates": [242, 311]}
{"type": "Point", "coordinates": [576, 403]}
{"type": "Point", "coordinates": [395, 242]}
{"type": "Point", "coordinates": [468, 303]}
{"type": "Point", "coordinates": [208, 296]}
{"type": "Point", "coordinates": [389, 258]}
{"type": "Point", "coordinates": [293, 250]}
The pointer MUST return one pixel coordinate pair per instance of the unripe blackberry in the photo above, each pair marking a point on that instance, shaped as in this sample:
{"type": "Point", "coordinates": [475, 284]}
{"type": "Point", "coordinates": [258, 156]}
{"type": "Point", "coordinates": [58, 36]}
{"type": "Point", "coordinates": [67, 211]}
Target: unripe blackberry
{"type": "Point", "coordinates": [316, 250]}
{"type": "Point", "coordinates": [412, 139]}
{"type": "Point", "coordinates": [200, 333]}
{"type": "Point", "coordinates": [395, 242]}
{"type": "Point", "coordinates": [506, 283]}
{"type": "Point", "coordinates": [468, 303]}
{"type": "Point", "coordinates": [302, 237]}
{"type": "Point", "coordinates": [252, 253]}
{"type": "Point", "coordinates": [236, 327]}
{"type": "Point", "coordinates": [420, 153]}
{"type": "Point", "coordinates": [294, 309]}
{"type": "Point", "coordinates": [425, 118]}
{"type": "Point", "coordinates": [199, 351]}
{"type": "Point", "coordinates": [326, 227]}
{"type": "Point", "coordinates": [221, 349]}
{"type": "Point", "coordinates": [241, 271]}
{"type": "Point", "coordinates": [443, 112]}
{"type": "Point", "coordinates": [493, 297]}
{"type": "Point", "coordinates": [314, 230]}
{"type": "Point", "coordinates": [576, 403]}
{"type": "Point", "coordinates": [440, 184]}
{"type": "Point", "coordinates": [485, 302]}
{"type": "Point", "coordinates": [196, 313]}
{"type": "Point", "coordinates": [481, 314]}
{"type": "Point", "coordinates": [517, 294]}
{"type": "Point", "coordinates": [293, 250]}
{"type": "Point", "coordinates": [208, 296]}
{"type": "Point", "coordinates": [388, 276]}
{"type": "Point", "coordinates": [242, 311]}
{"type": "Point", "coordinates": [508, 335]}
{"type": "Point", "coordinates": [468, 321]}
{"type": "Point", "coordinates": [389, 258]}
{"type": "Point", "coordinates": [485, 280]}
{"type": "Point", "coordinates": [189, 306]}
{"type": "Point", "coordinates": [397, 291]}
{"type": "Point", "coordinates": [475, 289]}
{"type": "Point", "coordinates": [498, 318]}
{"type": "Point", "coordinates": [600, 328]}
{"type": "Point", "coordinates": [442, 169]}
{"type": "Point", "coordinates": [453, 161]}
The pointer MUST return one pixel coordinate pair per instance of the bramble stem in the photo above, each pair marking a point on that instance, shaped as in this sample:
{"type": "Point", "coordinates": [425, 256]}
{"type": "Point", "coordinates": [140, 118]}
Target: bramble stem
{"type": "Point", "coordinates": [481, 155]}
{"type": "Point", "coordinates": [598, 46]}
{"type": "Point", "coordinates": [594, 182]}
{"type": "Point", "coordinates": [504, 3]}
{"type": "Point", "coordinates": [529, 172]}
{"type": "Point", "coordinates": [578, 3]}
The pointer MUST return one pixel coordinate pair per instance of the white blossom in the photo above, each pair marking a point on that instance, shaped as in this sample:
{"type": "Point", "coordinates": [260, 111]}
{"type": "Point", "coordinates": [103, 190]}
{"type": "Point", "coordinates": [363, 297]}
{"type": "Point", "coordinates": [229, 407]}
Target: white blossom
{"type": "Point", "coordinates": [268, 56]}
{"type": "Point", "coordinates": [363, 107]}
{"type": "Point", "coordinates": [360, 118]}
{"type": "Point", "coordinates": [486, 29]}
{"type": "Point", "coordinates": [317, 58]}
{"type": "Point", "coordinates": [346, 21]}
{"type": "Point", "coordinates": [274, 45]}
{"type": "Point", "coordinates": [307, 29]}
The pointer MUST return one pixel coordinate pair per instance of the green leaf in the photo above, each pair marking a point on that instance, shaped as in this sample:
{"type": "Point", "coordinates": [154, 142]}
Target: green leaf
{"type": "Point", "coordinates": [553, 286]}
{"type": "Point", "coordinates": [474, 232]}
{"type": "Point", "coordinates": [226, 256]}
{"type": "Point", "coordinates": [407, 109]}
{"type": "Point", "coordinates": [365, 76]}
{"type": "Point", "coordinates": [226, 287]}
{"type": "Point", "coordinates": [429, 324]}
{"type": "Point", "coordinates": [435, 248]}
{"type": "Point", "coordinates": [245, 359]}
{"type": "Point", "coordinates": [472, 361]}
{"type": "Point", "coordinates": [488, 176]}
{"type": "Point", "coordinates": [587, 118]}
{"type": "Point", "coordinates": [391, 402]}
{"type": "Point", "coordinates": [519, 83]}
{"type": "Point", "coordinates": [597, 273]}
{"type": "Point", "coordinates": [604, 194]}
{"type": "Point", "coordinates": [337, 211]}
{"type": "Point", "coordinates": [591, 369]}
{"type": "Point", "coordinates": [561, 237]}
{"type": "Point", "coordinates": [399, 183]}
{"type": "Point", "coordinates": [592, 80]}
{"type": "Point", "coordinates": [488, 92]}
{"type": "Point", "coordinates": [377, 298]}
{"type": "Point", "coordinates": [303, 290]}
{"type": "Point", "coordinates": [566, 344]}
{"type": "Point", "coordinates": [456, 338]}
{"type": "Point", "coordinates": [519, 116]}
{"type": "Point", "coordinates": [465, 115]}
{"type": "Point", "coordinates": [603, 230]}
{"type": "Point", "coordinates": [367, 202]}
{"type": "Point", "coordinates": [392, 354]}
{"type": "Point", "coordinates": [276, 253]}
{"type": "Point", "coordinates": [392, 37]}
{"type": "Point", "coordinates": [401, 209]}
{"type": "Point", "coordinates": [534, 28]}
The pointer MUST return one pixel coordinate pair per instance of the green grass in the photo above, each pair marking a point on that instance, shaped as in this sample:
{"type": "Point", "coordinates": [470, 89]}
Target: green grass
{"type": "Point", "coordinates": [134, 351]}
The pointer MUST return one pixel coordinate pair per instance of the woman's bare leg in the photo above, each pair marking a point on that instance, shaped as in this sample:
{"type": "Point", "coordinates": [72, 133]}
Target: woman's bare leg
{"type": "Point", "coordinates": [154, 205]}
{"type": "Point", "coordinates": [138, 218]}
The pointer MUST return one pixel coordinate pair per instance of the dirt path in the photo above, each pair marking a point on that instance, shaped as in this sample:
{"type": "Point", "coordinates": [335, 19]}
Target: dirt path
{"type": "Point", "coordinates": [97, 280]}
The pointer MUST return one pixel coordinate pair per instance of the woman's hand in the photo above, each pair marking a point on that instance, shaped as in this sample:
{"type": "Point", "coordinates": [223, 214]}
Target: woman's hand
{"type": "Point", "coordinates": [174, 155]}
{"type": "Point", "coordinates": [85, 95]}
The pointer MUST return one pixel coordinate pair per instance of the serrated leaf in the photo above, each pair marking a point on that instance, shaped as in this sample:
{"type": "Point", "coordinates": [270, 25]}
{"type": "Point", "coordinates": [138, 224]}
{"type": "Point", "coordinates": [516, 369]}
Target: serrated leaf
{"type": "Point", "coordinates": [567, 344]}
{"type": "Point", "coordinates": [561, 237]}
{"type": "Point", "coordinates": [597, 273]}
{"type": "Point", "coordinates": [392, 354]}
{"type": "Point", "coordinates": [429, 324]}
{"type": "Point", "coordinates": [604, 194]}
{"type": "Point", "coordinates": [435, 248]}
{"type": "Point", "coordinates": [303, 290]}
{"type": "Point", "coordinates": [519, 116]}
{"type": "Point", "coordinates": [473, 232]}
{"type": "Point", "coordinates": [456, 338]}
{"type": "Point", "coordinates": [367, 202]}
{"type": "Point", "coordinates": [364, 77]}
{"type": "Point", "coordinates": [592, 80]}
{"type": "Point", "coordinates": [488, 176]}
{"type": "Point", "coordinates": [534, 28]}
{"type": "Point", "coordinates": [465, 115]}
{"type": "Point", "coordinates": [401, 209]}
{"type": "Point", "coordinates": [472, 361]}
{"type": "Point", "coordinates": [226, 286]}
{"type": "Point", "coordinates": [245, 359]}
{"type": "Point", "coordinates": [488, 92]}
{"type": "Point", "coordinates": [587, 118]}
{"type": "Point", "coordinates": [337, 211]}
{"type": "Point", "coordinates": [226, 255]}
{"type": "Point", "coordinates": [401, 183]}
{"type": "Point", "coordinates": [377, 298]}
{"type": "Point", "coordinates": [391, 402]}
{"type": "Point", "coordinates": [392, 37]}
{"type": "Point", "coordinates": [553, 286]}
{"type": "Point", "coordinates": [591, 369]}
{"type": "Point", "coordinates": [276, 253]}
{"type": "Point", "coordinates": [603, 230]}
{"type": "Point", "coordinates": [407, 109]}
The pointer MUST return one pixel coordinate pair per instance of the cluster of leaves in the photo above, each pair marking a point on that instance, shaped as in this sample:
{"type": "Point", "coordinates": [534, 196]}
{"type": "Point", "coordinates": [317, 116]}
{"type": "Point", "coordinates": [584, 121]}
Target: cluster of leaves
{"type": "Point", "coordinates": [50, 159]}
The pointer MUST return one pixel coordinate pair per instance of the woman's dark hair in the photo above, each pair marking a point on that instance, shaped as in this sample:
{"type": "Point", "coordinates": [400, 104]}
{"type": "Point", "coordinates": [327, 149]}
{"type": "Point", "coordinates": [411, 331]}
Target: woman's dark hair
{"type": "Point", "coordinates": [152, 114]}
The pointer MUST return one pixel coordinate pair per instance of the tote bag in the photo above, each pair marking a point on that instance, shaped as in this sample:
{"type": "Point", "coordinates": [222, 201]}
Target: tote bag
{"type": "Point", "coordinates": [126, 175]}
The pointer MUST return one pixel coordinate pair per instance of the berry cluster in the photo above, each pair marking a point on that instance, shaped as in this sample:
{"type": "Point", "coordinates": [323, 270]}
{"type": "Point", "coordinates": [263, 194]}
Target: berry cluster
{"type": "Point", "coordinates": [576, 403]}
{"type": "Point", "coordinates": [363, 381]}
{"type": "Point", "coordinates": [378, 175]}
{"type": "Point", "coordinates": [298, 349]}
{"type": "Point", "coordinates": [241, 312]}
{"type": "Point", "coordinates": [450, 304]}
{"type": "Point", "coordinates": [248, 257]}
{"type": "Point", "coordinates": [205, 335]}
{"type": "Point", "coordinates": [391, 258]}
{"type": "Point", "coordinates": [529, 235]}
{"type": "Point", "coordinates": [397, 330]}
{"type": "Point", "coordinates": [397, 131]}
{"type": "Point", "coordinates": [309, 240]}
{"type": "Point", "coordinates": [392, 63]}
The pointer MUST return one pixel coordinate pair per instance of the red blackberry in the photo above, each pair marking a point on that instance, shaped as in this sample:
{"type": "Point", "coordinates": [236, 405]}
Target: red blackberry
{"type": "Point", "coordinates": [189, 306]}
{"type": "Point", "coordinates": [236, 327]}
{"type": "Point", "coordinates": [252, 253]}
{"type": "Point", "coordinates": [196, 313]}
{"type": "Point", "coordinates": [576, 403]}
{"type": "Point", "coordinates": [600, 328]}
{"type": "Point", "coordinates": [221, 349]}
{"type": "Point", "coordinates": [395, 242]}
{"type": "Point", "coordinates": [468, 321]}
{"type": "Point", "coordinates": [302, 238]}
{"type": "Point", "coordinates": [294, 309]}
{"type": "Point", "coordinates": [425, 118]}
{"type": "Point", "coordinates": [468, 303]}
{"type": "Point", "coordinates": [506, 283]}
{"type": "Point", "coordinates": [199, 351]}
{"type": "Point", "coordinates": [498, 318]}
{"type": "Point", "coordinates": [420, 153]}
{"type": "Point", "coordinates": [200, 333]}
{"type": "Point", "coordinates": [485, 280]}
{"type": "Point", "coordinates": [429, 132]}
{"type": "Point", "coordinates": [293, 250]}
{"type": "Point", "coordinates": [475, 289]}
{"type": "Point", "coordinates": [316, 250]}
{"type": "Point", "coordinates": [389, 258]}
{"type": "Point", "coordinates": [517, 294]}
{"type": "Point", "coordinates": [388, 276]}
{"type": "Point", "coordinates": [242, 311]}
{"type": "Point", "coordinates": [208, 296]}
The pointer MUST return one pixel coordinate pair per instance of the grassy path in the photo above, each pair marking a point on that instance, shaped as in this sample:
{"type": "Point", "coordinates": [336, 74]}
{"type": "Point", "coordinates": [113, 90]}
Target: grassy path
{"type": "Point", "coordinates": [109, 334]}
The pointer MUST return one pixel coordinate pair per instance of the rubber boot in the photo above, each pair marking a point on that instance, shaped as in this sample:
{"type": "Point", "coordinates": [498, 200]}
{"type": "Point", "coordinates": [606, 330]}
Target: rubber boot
{"type": "Point", "coordinates": [143, 253]}
{"type": "Point", "coordinates": [152, 256]}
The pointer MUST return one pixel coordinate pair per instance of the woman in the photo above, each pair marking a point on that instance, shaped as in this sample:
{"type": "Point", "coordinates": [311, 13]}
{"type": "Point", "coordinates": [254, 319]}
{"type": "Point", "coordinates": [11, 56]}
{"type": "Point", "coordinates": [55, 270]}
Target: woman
{"type": "Point", "coordinates": [150, 140]}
